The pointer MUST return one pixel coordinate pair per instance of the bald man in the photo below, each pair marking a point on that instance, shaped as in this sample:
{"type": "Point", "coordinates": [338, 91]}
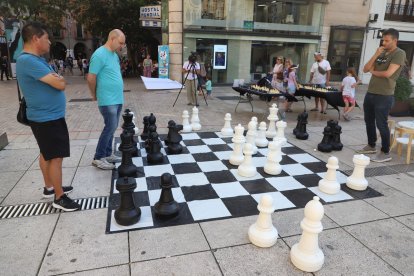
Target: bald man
{"type": "Point", "coordinates": [106, 86]}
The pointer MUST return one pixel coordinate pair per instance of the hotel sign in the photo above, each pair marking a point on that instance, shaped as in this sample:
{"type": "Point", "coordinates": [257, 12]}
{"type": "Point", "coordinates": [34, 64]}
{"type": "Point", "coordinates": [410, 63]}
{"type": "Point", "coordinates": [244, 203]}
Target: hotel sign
{"type": "Point", "coordinates": [150, 12]}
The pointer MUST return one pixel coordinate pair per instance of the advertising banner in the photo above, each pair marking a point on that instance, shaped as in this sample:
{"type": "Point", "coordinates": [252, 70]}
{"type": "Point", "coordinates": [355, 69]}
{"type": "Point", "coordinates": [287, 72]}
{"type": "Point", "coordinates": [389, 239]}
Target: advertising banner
{"type": "Point", "coordinates": [163, 61]}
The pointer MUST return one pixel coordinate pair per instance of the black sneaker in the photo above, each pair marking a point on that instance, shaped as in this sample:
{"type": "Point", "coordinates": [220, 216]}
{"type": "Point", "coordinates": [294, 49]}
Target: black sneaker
{"type": "Point", "coordinates": [49, 194]}
{"type": "Point", "coordinates": [65, 203]}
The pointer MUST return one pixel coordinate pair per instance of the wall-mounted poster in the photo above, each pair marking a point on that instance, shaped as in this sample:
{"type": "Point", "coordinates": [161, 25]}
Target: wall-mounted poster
{"type": "Point", "coordinates": [220, 57]}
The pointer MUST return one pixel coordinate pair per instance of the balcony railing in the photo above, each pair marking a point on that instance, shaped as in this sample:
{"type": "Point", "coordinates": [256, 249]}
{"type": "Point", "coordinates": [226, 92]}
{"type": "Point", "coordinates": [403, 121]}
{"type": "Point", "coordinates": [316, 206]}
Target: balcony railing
{"type": "Point", "coordinates": [397, 12]}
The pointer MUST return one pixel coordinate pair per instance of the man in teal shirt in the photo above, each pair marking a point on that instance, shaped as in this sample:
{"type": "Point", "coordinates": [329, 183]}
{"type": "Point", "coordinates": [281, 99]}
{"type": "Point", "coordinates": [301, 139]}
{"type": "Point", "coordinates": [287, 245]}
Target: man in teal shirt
{"type": "Point", "coordinates": [106, 86]}
{"type": "Point", "coordinates": [43, 90]}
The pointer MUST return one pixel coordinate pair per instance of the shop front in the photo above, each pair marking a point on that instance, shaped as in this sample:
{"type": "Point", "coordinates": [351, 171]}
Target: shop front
{"type": "Point", "coordinates": [248, 35]}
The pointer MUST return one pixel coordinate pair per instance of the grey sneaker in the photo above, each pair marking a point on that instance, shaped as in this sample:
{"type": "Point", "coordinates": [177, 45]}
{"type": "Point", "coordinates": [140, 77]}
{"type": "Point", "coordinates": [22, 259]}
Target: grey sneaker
{"type": "Point", "coordinates": [367, 150]}
{"type": "Point", "coordinates": [113, 159]}
{"type": "Point", "coordinates": [103, 164]}
{"type": "Point", "coordinates": [381, 157]}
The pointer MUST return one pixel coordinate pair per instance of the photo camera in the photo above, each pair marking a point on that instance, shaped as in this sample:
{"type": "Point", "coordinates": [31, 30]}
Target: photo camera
{"type": "Point", "coordinates": [193, 57]}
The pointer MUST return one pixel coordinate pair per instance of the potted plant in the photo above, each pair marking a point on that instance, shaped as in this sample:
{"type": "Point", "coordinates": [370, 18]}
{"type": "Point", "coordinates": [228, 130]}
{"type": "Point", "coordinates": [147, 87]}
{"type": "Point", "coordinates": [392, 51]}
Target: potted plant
{"type": "Point", "coordinates": [403, 90]}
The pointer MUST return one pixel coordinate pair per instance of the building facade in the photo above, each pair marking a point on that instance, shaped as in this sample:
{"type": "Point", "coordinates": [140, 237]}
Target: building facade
{"type": "Point", "coordinates": [252, 33]}
{"type": "Point", "coordinates": [241, 39]}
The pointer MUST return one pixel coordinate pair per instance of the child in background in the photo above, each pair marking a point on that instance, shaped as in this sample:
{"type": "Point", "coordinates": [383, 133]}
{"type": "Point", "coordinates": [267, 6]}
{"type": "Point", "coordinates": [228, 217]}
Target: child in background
{"type": "Point", "coordinates": [208, 87]}
{"type": "Point", "coordinates": [292, 85]}
{"type": "Point", "coordinates": [348, 91]}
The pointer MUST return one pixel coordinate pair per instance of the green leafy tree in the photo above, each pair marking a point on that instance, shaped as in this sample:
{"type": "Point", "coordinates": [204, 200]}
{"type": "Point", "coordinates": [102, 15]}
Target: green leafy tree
{"type": "Point", "coordinates": [101, 16]}
{"type": "Point", "coordinates": [49, 12]}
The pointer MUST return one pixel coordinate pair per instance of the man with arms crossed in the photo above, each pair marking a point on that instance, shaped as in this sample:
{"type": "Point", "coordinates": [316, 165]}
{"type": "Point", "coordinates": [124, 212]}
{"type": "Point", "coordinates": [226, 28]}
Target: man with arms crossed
{"type": "Point", "coordinates": [385, 66]}
{"type": "Point", "coordinates": [43, 90]}
{"type": "Point", "coordinates": [106, 85]}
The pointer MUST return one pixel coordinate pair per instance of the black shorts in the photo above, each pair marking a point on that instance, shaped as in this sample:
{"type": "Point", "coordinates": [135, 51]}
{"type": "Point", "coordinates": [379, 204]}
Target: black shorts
{"type": "Point", "coordinates": [52, 138]}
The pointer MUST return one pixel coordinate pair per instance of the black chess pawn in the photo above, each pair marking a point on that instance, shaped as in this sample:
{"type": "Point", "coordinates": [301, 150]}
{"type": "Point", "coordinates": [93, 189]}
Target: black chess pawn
{"type": "Point", "coordinates": [154, 155]}
{"type": "Point", "coordinates": [301, 133]}
{"type": "Point", "coordinates": [151, 129]}
{"type": "Point", "coordinates": [336, 137]}
{"type": "Point", "coordinates": [174, 138]}
{"type": "Point", "coordinates": [127, 213]}
{"type": "Point", "coordinates": [296, 129]}
{"type": "Point", "coordinates": [129, 126]}
{"type": "Point", "coordinates": [152, 120]}
{"type": "Point", "coordinates": [166, 206]}
{"type": "Point", "coordinates": [127, 167]}
{"type": "Point", "coordinates": [144, 134]}
{"type": "Point", "coordinates": [326, 144]}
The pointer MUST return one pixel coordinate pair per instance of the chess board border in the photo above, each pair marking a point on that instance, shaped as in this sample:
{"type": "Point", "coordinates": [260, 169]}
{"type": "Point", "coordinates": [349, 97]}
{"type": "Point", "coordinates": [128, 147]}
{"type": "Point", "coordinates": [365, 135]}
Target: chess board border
{"type": "Point", "coordinates": [114, 198]}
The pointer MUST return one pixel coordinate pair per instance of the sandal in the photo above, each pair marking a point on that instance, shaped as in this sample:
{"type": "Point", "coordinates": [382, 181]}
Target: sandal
{"type": "Point", "coordinates": [314, 109]}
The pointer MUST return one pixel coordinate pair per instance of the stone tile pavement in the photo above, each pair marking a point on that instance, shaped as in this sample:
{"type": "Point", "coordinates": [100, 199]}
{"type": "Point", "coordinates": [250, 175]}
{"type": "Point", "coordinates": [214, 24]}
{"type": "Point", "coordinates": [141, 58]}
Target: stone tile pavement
{"type": "Point", "coordinates": [364, 237]}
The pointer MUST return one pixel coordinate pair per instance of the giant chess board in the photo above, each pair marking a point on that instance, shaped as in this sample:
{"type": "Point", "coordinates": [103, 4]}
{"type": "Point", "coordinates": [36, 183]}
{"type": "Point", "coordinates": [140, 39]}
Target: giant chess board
{"type": "Point", "coordinates": [208, 187]}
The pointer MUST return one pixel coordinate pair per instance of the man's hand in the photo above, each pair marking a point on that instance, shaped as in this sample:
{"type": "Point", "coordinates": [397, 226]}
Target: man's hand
{"type": "Point", "coordinates": [379, 51]}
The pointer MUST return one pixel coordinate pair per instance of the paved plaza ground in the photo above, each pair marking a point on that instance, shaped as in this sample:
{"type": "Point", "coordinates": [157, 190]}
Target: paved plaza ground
{"type": "Point", "coordinates": [374, 236]}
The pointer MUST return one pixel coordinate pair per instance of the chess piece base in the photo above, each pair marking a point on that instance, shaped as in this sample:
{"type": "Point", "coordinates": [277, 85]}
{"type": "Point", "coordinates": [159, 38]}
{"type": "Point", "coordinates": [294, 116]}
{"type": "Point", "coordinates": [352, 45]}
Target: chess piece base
{"type": "Point", "coordinates": [127, 217]}
{"type": "Point", "coordinates": [305, 262]}
{"type": "Point", "coordinates": [272, 169]}
{"type": "Point", "coordinates": [329, 187]}
{"type": "Point", "coordinates": [262, 237]}
{"type": "Point", "coordinates": [166, 209]}
{"type": "Point", "coordinates": [246, 172]}
{"type": "Point", "coordinates": [356, 184]}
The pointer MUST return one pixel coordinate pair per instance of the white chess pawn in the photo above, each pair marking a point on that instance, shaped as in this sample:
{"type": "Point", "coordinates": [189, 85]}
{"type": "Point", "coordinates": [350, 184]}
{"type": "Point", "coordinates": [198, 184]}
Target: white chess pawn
{"type": "Point", "coordinates": [271, 132]}
{"type": "Point", "coordinates": [186, 124]}
{"type": "Point", "coordinates": [261, 140]}
{"type": "Point", "coordinates": [237, 157]}
{"type": "Point", "coordinates": [280, 134]}
{"type": "Point", "coordinates": [247, 169]}
{"type": "Point", "coordinates": [306, 255]}
{"type": "Point", "coordinates": [329, 184]}
{"type": "Point", "coordinates": [251, 135]}
{"type": "Point", "coordinates": [227, 130]}
{"type": "Point", "coordinates": [263, 233]}
{"type": "Point", "coordinates": [357, 180]}
{"type": "Point", "coordinates": [274, 156]}
{"type": "Point", "coordinates": [195, 120]}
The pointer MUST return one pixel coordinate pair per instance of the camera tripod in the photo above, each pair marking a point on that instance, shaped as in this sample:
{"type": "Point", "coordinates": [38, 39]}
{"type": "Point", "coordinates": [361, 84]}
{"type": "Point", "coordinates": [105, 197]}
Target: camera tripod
{"type": "Point", "coordinates": [191, 71]}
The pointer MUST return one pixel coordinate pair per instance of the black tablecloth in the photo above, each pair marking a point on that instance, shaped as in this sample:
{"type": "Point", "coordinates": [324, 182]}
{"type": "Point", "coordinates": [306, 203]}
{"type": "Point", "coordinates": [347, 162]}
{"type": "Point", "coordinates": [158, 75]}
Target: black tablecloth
{"type": "Point", "coordinates": [263, 95]}
{"type": "Point", "coordinates": [333, 98]}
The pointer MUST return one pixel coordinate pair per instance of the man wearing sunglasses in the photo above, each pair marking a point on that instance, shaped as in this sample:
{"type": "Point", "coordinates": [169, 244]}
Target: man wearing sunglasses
{"type": "Point", "coordinates": [385, 66]}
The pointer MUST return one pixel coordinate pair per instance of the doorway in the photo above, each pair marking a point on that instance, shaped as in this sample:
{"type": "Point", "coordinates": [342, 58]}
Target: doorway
{"type": "Point", "coordinates": [345, 48]}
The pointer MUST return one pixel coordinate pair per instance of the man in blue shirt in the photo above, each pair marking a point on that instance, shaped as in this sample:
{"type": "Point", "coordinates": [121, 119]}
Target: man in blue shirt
{"type": "Point", "coordinates": [106, 86]}
{"type": "Point", "coordinates": [43, 90]}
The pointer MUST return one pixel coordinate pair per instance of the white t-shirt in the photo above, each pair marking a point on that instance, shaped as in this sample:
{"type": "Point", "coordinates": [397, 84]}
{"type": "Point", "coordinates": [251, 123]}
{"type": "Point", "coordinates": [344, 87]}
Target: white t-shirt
{"type": "Point", "coordinates": [318, 78]}
{"type": "Point", "coordinates": [191, 75]}
{"type": "Point", "coordinates": [348, 90]}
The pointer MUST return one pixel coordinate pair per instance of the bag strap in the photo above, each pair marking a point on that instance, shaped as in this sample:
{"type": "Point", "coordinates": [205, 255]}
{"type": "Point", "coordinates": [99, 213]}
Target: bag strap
{"type": "Point", "coordinates": [18, 91]}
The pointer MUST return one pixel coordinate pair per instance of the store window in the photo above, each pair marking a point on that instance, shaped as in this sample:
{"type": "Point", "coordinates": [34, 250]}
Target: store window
{"type": "Point", "coordinates": [205, 54]}
{"type": "Point", "coordinates": [213, 9]}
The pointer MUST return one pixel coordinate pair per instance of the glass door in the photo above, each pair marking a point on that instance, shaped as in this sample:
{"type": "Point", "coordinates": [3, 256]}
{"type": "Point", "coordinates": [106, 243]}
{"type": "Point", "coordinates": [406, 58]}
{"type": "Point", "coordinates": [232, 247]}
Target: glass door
{"type": "Point", "coordinates": [344, 51]}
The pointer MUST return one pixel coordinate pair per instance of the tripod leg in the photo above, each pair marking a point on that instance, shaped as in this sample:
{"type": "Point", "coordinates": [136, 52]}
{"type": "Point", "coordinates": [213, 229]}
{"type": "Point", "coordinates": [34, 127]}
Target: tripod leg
{"type": "Point", "coordinates": [182, 85]}
{"type": "Point", "coordinates": [204, 95]}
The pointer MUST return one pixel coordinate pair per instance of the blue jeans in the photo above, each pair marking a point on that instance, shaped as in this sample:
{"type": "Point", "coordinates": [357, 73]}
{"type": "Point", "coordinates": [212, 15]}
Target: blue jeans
{"type": "Point", "coordinates": [376, 109]}
{"type": "Point", "coordinates": [111, 114]}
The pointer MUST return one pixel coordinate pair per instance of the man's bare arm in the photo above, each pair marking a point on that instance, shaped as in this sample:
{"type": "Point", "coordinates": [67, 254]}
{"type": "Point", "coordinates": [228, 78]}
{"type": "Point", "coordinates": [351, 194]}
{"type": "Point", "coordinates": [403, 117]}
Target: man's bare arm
{"type": "Point", "coordinates": [92, 85]}
{"type": "Point", "coordinates": [370, 64]}
{"type": "Point", "coordinates": [55, 81]}
{"type": "Point", "coordinates": [388, 73]}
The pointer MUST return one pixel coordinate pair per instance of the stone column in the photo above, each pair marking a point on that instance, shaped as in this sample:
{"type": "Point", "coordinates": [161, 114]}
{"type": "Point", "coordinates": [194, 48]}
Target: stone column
{"type": "Point", "coordinates": [175, 38]}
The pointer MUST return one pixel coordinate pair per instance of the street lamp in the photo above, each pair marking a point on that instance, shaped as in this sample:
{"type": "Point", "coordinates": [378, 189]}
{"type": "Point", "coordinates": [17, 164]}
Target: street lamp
{"type": "Point", "coordinates": [68, 28]}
